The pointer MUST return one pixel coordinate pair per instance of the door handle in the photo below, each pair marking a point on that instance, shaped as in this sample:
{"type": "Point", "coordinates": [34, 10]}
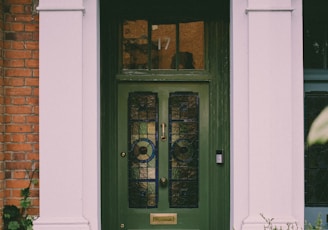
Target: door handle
{"type": "Point", "coordinates": [163, 137]}
{"type": "Point", "coordinates": [163, 181]}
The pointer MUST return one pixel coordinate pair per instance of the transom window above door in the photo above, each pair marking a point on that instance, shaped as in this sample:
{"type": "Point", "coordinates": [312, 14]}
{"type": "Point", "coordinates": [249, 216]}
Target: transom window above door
{"type": "Point", "coordinates": [150, 45]}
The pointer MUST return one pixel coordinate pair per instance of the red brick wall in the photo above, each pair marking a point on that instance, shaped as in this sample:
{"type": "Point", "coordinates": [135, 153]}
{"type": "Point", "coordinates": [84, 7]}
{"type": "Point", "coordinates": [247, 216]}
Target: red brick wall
{"type": "Point", "coordinates": [2, 123]}
{"type": "Point", "coordinates": [19, 61]}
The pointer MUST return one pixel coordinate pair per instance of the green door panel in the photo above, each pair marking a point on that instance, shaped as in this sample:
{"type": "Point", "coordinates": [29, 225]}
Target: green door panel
{"type": "Point", "coordinates": [188, 217]}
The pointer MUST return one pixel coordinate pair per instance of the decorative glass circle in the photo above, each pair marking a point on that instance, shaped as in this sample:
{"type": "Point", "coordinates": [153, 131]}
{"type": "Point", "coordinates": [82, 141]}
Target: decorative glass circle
{"type": "Point", "coordinates": [182, 150]}
{"type": "Point", "coordinates": [143, 150]}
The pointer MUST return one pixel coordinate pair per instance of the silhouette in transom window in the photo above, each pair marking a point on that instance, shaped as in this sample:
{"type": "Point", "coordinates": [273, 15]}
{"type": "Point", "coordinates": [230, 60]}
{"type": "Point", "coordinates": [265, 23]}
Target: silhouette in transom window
{"type": "Point", "coordinates": [186, 61]}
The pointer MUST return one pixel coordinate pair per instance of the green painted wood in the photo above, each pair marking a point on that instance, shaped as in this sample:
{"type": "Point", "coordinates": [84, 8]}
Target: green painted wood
{"type": "Point", "coordinates": [217, 76]}
{"type": "Point", "coordinates": [218, 41]}
{"type": "Point", "coordinates": [188, 218]}
{"type": "Point", "coordinates": [108, 94]}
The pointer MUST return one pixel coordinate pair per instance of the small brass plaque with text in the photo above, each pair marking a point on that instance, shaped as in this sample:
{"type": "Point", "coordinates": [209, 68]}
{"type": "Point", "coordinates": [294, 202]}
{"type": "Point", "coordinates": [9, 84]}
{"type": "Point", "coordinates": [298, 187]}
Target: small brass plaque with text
{"type": "Point", "coordinates": [163, 218]}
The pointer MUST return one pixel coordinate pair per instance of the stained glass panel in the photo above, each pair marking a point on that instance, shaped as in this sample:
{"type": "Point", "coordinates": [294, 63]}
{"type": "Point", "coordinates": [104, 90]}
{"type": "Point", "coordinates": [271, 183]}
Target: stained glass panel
{"type": "Point", "coordinates": [143, 150]}
{"type": "Point", "coordinates": [183, 150]}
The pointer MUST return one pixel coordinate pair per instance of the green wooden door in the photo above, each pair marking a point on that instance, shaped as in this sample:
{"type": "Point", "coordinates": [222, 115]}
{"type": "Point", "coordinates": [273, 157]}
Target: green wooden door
{"type": "Point", "coordinates": [163, 164]}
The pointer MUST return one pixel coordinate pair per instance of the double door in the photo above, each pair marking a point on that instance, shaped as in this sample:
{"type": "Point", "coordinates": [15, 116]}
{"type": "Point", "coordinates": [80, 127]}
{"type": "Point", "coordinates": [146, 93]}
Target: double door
{"type": "Point", "coordinates": [163, 164]}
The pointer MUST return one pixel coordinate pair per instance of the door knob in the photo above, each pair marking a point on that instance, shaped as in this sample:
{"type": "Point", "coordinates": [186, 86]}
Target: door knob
{"type": "Point", "coordinates": [163, 181]}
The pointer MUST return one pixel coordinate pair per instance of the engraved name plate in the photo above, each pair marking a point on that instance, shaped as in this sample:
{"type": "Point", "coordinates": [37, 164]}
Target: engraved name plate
{"type": "Point", "coordinates": [163, 218]}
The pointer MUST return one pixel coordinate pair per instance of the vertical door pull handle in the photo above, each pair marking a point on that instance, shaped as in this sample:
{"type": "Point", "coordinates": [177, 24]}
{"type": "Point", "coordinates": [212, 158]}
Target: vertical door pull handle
{"type": "Point", "coordinates": [163, 137]}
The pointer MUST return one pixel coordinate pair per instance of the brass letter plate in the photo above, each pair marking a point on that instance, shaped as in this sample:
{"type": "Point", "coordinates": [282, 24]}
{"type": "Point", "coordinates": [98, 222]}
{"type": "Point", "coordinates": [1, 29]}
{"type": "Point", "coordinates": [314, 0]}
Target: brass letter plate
{"type": "Point", "coordinates": [163, 218]}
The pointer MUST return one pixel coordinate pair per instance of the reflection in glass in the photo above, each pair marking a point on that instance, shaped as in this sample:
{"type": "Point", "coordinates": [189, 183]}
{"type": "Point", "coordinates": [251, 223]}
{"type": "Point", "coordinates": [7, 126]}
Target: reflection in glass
{"type": "Point", "coordinates": [165, 37]}
{"type": "Point", "coordinates": [142, 195]}
{"type": "Point", "coordinates": [136, 45]}
{"type": "Point", "coordinates": [183, 60]}
{"type": "Point", "coordinates": [191, 44]}
{"type": "Point", "coordinates": [163, 46]}
{"type": "Point", "coordinates": [316, 152]}
{"type": "Point", "coordinates": [315, 46]}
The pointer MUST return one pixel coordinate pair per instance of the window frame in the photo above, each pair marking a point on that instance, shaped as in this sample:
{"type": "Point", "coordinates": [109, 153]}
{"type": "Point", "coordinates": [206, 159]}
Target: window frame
{"type": "Point", "coordinates": [164, 74]}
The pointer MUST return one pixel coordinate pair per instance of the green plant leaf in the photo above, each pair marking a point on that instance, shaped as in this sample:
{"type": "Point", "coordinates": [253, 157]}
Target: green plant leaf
{"type": "Point", "coordinates": [25, 203]}
{"type": "Point", "coordinates": [35, 181]}
{"type": "Point", "coordinates": [13, 225]}
{"type": "Point", "coordinates": [27, 222]}
{"type": "Point", "coordinates": [25, 192]}
{"type": "Point", "coordinates": [6, 216]}
{"type": "Point", "coordinates": [11, 211]}
{"type": "Point", "coordinates": [15, 218]}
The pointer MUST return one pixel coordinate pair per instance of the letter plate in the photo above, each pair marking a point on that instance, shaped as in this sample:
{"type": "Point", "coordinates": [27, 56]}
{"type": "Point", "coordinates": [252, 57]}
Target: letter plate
{"type": "Point", "coordinates": [163, 218]}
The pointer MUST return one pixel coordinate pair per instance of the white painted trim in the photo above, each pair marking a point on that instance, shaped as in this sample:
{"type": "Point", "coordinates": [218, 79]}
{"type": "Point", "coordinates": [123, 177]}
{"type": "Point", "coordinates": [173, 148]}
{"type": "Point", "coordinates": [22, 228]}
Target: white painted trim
{"type": "Point", "coordinates": [91, 115]}
{"type": "Point", "coordinates": [239, 139]}
{"type": "Point", "coordinates": [61, 9]}
{"type": "Point", "coordinates": [69, 116]}
{"type": "Point", "coordinates": [62, 223]}
{"type": "Point", "coordinates": [266, 113]}
{"type": "Point", "coordinates": [248, 10]}
{"type": "Point", "coordinates": [45, 5]}
{"type": "Point", "coordinates": [60, 6]}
